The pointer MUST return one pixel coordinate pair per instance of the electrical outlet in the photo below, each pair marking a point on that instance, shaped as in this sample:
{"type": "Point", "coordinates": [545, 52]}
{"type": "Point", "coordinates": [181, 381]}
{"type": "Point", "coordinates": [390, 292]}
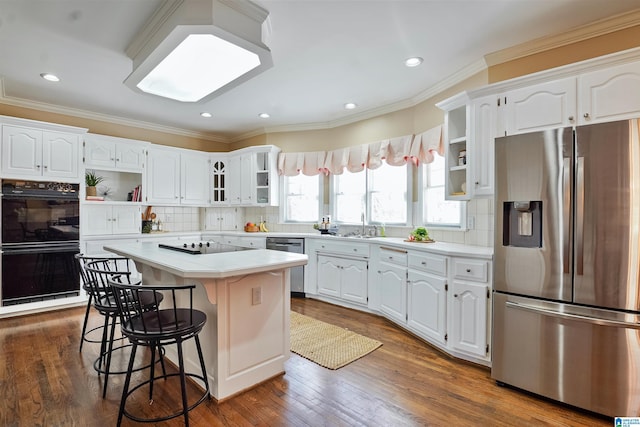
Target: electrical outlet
{"type": "Point", "coordinates": [256, 295]}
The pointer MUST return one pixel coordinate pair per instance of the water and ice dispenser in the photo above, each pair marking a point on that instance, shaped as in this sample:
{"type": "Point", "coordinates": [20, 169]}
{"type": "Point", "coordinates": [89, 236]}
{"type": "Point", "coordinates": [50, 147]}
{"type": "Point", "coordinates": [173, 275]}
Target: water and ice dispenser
{"type": "Point", "coordinates": [522, 224]}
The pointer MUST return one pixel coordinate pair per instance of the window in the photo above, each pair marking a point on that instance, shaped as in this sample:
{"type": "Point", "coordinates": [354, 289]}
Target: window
{"type": "Point", "coordinates": [301, 198]}
{"type": "Point", "coordinates": [436, 211]}
{"type": "Point", "coordinates": [381, 194]}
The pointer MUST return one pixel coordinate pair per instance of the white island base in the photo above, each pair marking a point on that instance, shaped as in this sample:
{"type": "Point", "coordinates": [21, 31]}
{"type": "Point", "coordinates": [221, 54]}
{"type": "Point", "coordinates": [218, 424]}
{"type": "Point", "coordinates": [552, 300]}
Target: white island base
{"type": "Point", "coordinates": [246, 297]}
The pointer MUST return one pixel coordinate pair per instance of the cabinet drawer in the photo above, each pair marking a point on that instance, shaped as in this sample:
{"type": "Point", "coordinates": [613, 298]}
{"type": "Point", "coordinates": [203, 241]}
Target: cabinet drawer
{"type": "Point", "coordinates": [344, 248]}
{"type": "Point", "coordinates": [428, 262]}
{"type": "Point", "coordinates": [466, 269]}
{"type": "Point", "coordinates": [393, 255]}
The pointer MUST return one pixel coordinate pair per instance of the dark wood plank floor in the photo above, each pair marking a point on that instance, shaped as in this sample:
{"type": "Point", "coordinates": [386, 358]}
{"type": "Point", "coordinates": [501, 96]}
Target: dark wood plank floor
{"type": "Point", "coordinates": [45, 381]}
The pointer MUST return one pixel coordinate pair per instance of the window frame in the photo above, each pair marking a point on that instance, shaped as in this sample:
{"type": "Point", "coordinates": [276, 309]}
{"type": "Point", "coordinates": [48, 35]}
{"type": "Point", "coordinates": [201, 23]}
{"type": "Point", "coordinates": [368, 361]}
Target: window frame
{"type": "Point", "coordinates": [409, 169]}
{"type": "Point", "coordinates": [422, 171]}
{"type": "Point", "coordinates": [283, 214]}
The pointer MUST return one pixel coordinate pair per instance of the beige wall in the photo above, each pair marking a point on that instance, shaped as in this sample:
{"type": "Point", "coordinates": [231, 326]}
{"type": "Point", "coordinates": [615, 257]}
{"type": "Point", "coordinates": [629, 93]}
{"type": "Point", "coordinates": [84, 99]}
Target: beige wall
{"type": "Point", "coordinates": [112, 129]}
{"type": "Point", "coordinates": [597, 46]}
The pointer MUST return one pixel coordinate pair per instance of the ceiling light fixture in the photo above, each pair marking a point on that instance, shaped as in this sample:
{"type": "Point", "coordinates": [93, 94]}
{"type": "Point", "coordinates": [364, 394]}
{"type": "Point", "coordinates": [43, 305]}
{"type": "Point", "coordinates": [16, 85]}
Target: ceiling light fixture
{"type": "Point", "coordinates": [50, 77]}
{"type": "Point", "coordinates": [264, 115]}
{"type": "Point", "coordinates": [192, 51]}
{"type": "Point", "coordinates": [350, 106]}
{"type": "Point", "coordinates": [206, 115]}
{"type": "Point", "coordinates": [413, 62]}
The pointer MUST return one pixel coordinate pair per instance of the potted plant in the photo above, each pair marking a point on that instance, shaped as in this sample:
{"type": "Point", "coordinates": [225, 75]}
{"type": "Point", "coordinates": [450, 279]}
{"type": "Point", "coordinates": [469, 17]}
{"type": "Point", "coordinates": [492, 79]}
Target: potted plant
{"type": "Point", "coordinates": [91, 180]}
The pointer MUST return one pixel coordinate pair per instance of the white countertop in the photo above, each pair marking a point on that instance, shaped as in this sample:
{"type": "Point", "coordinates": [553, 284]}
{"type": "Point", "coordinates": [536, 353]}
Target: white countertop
{"type": "Point", "coordinates": [443, 248]}
{"type": "Point", "coordinates": [216, 265]}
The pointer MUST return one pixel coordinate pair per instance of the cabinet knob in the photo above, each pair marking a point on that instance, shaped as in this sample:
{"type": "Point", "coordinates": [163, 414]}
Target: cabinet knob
{"type": "Point", "coordinates": [424, 263]}
{"type": "Point", "coordinates": [586, 115]}
{"type": "Point", "coordinates": [455, 295]}
{"type": "Point", "coordinates": [37, 166]}
{"type": "Point", "coordinates": [477, 182]}
{"type": "Point", "coordinates": [468, 270]}
{"type": "Point", "coordinates": [571, 118]}
{"type": "Point", "coordinates": [379, 272]}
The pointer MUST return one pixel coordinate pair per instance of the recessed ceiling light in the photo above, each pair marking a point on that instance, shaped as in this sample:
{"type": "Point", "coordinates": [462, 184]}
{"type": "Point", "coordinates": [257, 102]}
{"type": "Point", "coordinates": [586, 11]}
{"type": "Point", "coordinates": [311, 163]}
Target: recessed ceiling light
{"type": "Point", "coordinates": [350, 105]}
{"type": "Point", "coordinates": [50, 77]}
{"type": "Point", "coordinates": [205, 114]}
{"type": "Point", "coordinates": [264, 115]}
{"type": "Point", "coordinates": [413, 62]}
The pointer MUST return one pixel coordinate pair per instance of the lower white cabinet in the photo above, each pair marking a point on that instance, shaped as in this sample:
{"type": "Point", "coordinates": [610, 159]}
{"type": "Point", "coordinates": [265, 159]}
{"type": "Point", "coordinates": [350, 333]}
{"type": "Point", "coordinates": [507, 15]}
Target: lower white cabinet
{"type": "Point", "coordinates": [392, 285]}
{"type": "Point", "coordinates": [469, 306]}
{"type": "Point", "coordinates": [343, 278]}
{"type": "Point", "coordinates": [427, 305]}
{"type": "Point", "coordinates": [102, 219]}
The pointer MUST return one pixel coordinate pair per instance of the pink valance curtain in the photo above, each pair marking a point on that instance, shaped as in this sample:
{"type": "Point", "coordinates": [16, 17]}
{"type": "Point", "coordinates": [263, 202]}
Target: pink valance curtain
{"type": "Point", "coordinates": [395, 151]}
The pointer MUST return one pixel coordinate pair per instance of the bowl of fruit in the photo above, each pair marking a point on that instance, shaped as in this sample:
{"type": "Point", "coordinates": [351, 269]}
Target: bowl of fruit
{"type": "Point", "coordinates": [251, 227]}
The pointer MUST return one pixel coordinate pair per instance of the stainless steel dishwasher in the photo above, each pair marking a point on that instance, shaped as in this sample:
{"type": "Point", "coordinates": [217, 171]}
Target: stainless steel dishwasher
{"type": "Point", "coordinates": [295, 245]}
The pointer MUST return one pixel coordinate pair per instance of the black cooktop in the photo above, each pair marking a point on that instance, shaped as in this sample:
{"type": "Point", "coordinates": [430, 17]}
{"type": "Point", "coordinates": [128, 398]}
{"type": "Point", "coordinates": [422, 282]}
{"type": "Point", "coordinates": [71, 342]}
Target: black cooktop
{"type": "Point", "coordinates": [202, 248]}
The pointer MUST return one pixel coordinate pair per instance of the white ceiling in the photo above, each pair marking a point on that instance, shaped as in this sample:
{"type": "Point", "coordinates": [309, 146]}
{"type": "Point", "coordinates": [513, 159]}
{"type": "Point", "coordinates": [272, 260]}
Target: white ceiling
{"type": "Point", "coordinates": [325, 53]}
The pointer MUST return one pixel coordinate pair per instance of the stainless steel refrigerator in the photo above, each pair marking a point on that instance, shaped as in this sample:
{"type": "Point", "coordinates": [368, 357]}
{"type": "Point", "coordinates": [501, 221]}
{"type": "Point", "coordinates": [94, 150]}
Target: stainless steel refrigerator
{"type": "Point", "coordinates": [566, 307]}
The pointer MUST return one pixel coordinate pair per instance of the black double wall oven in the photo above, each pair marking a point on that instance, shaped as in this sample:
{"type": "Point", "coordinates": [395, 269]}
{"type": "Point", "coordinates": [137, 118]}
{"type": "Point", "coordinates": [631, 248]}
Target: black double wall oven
{"type": "Point", "coordinates": [40, 237]}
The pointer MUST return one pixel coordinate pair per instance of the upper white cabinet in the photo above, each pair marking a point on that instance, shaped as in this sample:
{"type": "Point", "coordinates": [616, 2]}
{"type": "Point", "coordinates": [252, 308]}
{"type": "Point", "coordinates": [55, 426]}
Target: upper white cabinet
{"type": "Point", "coordinates": [177, 177]}
{"type": "Point", "coordinates": [537, 107]}
{"type": "Point", "coordinates": [251, 177]}
{"type": "Point", "coordinates": [609, 94]}
{"type": "Point", "coordinates": [110, 153]}
{"type": "Point", "coordinates": [456, 137]}
{"type": "Point", "coordinates": [219, 168]}
{"type": "Point", "coordinates": [100, 219]}
{"type": "Point", "coordinates": [163, 176]}
{"type": "Point", "coordinates": [481, 151]}
{"type": "Point", "coordinates": [32, 152]}
{"type": "Point", "coordinates": [194, 178]}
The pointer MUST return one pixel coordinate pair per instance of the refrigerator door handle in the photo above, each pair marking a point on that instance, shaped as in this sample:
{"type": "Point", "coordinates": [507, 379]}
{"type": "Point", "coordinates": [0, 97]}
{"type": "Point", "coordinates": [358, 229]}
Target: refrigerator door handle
{"type": "Point", "coordinates": [566, 211]}
{"type": "Point", "coordinates": [571, 316]}
{"type": "Point", "coordinates": [580, 216]}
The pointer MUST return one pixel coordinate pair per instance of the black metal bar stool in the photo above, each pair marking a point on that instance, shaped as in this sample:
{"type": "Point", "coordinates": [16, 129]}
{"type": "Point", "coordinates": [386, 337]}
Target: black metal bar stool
{"type": "Point", "coordinates": [82, 261]}
{"type": "Point", "coordinates": [99, 272]}
{"type": "Point", "coordinates": [160, 327]}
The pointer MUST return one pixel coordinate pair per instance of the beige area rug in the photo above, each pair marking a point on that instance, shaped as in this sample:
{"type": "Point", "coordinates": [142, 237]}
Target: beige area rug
{"type": "Point", "coordinates": [327, 345]}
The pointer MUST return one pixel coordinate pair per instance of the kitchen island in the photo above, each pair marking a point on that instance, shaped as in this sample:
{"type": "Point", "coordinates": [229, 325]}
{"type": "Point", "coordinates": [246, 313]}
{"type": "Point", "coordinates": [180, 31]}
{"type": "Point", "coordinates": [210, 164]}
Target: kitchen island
{"type": "Point", "coordinates": [246, 297]}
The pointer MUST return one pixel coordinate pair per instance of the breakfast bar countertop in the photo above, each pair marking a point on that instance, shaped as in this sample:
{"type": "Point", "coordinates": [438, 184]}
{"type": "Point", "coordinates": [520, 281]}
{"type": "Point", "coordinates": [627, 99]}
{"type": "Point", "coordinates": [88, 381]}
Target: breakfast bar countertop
{"type": "Point", "coordinates": [216, 265]}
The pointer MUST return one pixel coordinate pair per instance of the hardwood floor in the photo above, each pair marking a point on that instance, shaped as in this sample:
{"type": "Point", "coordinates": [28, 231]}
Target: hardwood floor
{"type": "Point", "coordinates": [45, 381]}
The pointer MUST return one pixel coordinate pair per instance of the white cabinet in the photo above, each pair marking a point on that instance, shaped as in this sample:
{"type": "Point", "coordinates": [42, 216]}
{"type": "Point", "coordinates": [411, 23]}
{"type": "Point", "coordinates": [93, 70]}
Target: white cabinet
{"type": "Point", "coordinates": [344, 278]}
{"type": "Point", "coordinates": [177, 177]}
{"type": "Point", "coordinates": [219, 177]}
{"type": "Point", "coordinates": [609, 94]}
{"type": "Point", "coordinates": [469, 307]}
{"type": "Point", "coordinates": [391, 275]}
{"type": "Point", "coordinates": [222, 219]}
{"type": "Point", "coordinates": [251, 178]}
{"type": "Point", "coordinates": [427, 296]}
{"type": "Point", "coordinates": [31, 152]}
{"type": "Point", "coordinates": [481, 150]}
{"type": "Point", "coordinates": [339, 270]}
{"type": "Point", "coordinates": [105, 219]}
{"type": "Point", "coordinates": [194, 178]}
{"type": "Point", "coordinates": [456, 137]}
{"type": "Point", "coordinates": [541, 106]}
{"type": "Point", "coordinates": [111, 153]}
{"type": "Point", "coordinates": [163, 176]}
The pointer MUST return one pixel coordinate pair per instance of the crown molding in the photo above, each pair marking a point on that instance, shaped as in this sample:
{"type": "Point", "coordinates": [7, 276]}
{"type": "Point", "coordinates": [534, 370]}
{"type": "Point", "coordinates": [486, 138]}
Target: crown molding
{"type": "Point", "coordinates": [578, 34]}
{"type": "Point", "coordinates": [452, 80]}
{"type": "Point", "coordinates": [51, 108]}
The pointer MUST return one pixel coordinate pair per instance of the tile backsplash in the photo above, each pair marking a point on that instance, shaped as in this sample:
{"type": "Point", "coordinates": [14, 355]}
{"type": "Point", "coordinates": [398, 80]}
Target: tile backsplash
{"type": "Point", "coordinates": [480, 217]}
{"type": "Point", "coordinates": [178, 218]}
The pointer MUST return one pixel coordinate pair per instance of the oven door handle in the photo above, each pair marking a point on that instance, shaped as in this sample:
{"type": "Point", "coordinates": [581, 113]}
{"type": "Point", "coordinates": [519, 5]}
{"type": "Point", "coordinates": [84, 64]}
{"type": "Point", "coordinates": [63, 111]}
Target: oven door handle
{"type": "Point", "coordinates": [40, 250]}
